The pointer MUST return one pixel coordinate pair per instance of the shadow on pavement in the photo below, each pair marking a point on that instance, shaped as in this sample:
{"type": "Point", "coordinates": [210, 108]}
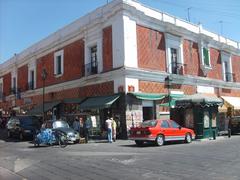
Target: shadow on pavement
{"type": "Point", "coordinates": [152, 144]}
{"type": "Point", "coordinates": [3, 137]}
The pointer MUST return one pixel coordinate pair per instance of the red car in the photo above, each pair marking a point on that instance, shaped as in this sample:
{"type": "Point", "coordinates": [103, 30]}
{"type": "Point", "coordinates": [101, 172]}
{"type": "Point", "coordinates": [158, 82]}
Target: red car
{"type": "Point", "coordinates": [160, 131]}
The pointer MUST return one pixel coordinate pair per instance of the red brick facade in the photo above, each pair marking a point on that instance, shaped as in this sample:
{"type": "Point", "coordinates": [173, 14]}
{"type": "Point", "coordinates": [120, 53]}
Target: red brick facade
{"type": "Point", "coordinates": [155, 87]}
{"type": "Point", "coordinates": [107, 49]}
{"type": "Point", "coordinates": [7, 84]}
{"type": "Point", "coordinates": [236, 68]}
{"type": "Point", "coordinates": [73, 65]}
{"type": "Point", "coordinates": [191, 58]}
{"type": "Point", "coordinates": [22, 80]}
{"type": "Point", "coordinates": [215, 58]}
{"type": "Point", "coordinates": [151, 49]}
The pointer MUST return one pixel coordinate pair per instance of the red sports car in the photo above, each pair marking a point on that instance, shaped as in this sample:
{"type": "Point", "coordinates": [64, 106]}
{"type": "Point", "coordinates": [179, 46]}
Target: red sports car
{"type": "Point", "coordinates": [160, 131]}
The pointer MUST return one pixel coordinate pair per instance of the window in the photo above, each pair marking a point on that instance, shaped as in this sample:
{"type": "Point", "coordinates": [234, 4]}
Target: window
{"type": "Point", "coordinates": [226, 67]}
{"type": "Point", "coordinates": [174, 54]}
{"type": "Point", "coordinates": [164, 124]}
{"type": "Point", "coordinates": [206, 58]}
{"type": "Point", "coordinates": [94, 59]}
{"type": "Point", "coordinates": [174, 124]}
{"type": "Point", "coordinates": [58, 63]}
{"type": "Point", "coordinates": [31, 80]}
{"type": "Point", "coordinates": [92, 67]}
{"type": "Point", "coordinates": [14, 85]}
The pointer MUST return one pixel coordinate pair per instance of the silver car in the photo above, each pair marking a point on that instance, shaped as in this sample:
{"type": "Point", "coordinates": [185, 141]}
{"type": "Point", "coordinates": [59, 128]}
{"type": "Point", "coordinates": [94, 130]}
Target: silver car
{"type": "Point", "coordinates": [73, 136]}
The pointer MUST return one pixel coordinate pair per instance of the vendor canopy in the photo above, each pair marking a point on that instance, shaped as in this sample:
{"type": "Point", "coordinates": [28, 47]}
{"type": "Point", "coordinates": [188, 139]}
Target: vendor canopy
{"type": "Point", "coordinates": [38, 110]}
{"type": "Point", "coordinates": [99, 102]}
{"type": "Point", "coordinates": [148, 96]}
{"type": "Point", "coordinates": [204, 100]}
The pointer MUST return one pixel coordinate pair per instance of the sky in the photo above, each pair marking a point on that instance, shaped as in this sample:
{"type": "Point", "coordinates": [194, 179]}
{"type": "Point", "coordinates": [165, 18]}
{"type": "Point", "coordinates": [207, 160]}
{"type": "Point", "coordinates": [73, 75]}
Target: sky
{"type": "Point", "coordinates": [25, 22]}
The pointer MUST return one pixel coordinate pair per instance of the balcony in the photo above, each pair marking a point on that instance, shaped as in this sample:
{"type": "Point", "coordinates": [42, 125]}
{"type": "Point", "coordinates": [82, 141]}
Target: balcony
{"type": "Point", "coordinates": [229, 77]}
{"type": "Point", "coordinates": [91, 68]}
{"type": "Point", "coordinates": [30, 85]}
{"type": "Point", "coordinates": [13, 90]}
{"type": "Point", "coordinates": [16, 91]}
{"type": "Point", "coordinates": [177, 68]}
{"type": "Point", "coordinates": [2, 96]}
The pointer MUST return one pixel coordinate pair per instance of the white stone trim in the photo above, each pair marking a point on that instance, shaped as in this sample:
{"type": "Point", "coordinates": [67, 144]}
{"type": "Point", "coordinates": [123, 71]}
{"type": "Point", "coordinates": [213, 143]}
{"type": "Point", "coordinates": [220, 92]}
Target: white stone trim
{"type": "Point", "coordinates": [131, 82]}
{"type": "Point", "coordinates": [56, 54]}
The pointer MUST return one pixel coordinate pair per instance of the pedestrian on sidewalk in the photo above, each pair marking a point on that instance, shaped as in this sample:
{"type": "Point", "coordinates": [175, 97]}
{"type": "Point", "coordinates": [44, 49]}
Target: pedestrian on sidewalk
{"type": "Point", "coordinates": [86, 127]}
{"type": "Point", "coordinates": [114, 130]}
{"type": "Point", "coordinates": [109, 129]}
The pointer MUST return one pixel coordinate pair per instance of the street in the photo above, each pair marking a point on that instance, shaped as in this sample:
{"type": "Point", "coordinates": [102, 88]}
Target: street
{"type": "Point", "coordinates": [211, 159]}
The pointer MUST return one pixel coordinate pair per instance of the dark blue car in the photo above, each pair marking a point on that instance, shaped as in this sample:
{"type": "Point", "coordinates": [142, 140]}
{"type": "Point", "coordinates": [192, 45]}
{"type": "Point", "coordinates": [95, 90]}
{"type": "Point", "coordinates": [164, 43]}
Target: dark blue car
{"type": "Point", "coordinates": [22, 126]}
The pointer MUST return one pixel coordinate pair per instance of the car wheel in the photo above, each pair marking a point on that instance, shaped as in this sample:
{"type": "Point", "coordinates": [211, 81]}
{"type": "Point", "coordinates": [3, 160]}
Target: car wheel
{"type": "Point", "coordinates": [139, 143]}
{"type": "Point", "coordinates": [159, 140]}
{"type": "Point", "coordinates": [9, 134]}
{"type": "Point", "coordinates": [21, 136]}
{"type": "Point", "coordinates": [188, 138]}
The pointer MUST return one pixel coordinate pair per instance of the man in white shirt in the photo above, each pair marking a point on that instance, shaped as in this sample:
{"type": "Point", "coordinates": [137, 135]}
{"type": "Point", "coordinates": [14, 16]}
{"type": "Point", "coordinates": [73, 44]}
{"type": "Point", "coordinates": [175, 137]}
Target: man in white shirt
{"type": "Point", "coordinates": [109, 129]}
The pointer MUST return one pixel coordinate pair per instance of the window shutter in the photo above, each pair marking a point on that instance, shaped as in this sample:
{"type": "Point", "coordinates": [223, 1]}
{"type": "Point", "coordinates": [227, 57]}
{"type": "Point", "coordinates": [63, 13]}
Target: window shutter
{"type": "Point", "coordinates": [206, 57]}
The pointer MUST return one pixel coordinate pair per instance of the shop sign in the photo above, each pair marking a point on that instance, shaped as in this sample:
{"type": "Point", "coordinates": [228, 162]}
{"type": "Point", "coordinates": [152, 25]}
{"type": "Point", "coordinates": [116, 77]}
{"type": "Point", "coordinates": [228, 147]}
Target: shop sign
{"type": "Point", "coordinates": [131, 88]}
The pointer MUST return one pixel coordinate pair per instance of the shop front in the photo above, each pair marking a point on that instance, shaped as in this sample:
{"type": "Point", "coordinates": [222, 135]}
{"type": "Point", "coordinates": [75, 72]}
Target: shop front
{"type": "Point", "coordinates": [142, 106]}
{"type": "Point", "coordinates": [200, 112]}
{"type": "Point", "coordinates": [97, 109]}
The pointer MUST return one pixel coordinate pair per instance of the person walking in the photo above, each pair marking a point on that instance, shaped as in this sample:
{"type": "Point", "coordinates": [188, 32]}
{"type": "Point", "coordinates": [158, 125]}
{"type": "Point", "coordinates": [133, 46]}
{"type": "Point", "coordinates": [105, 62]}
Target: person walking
{"type": "Point", "coordinates": [109, 129]}
{"type": "Point", "coordinates": [114, 129]}
{"type": "Point", "coordinates": [86, 126]}
{"type": "Point", "coordinates": [76, 125]}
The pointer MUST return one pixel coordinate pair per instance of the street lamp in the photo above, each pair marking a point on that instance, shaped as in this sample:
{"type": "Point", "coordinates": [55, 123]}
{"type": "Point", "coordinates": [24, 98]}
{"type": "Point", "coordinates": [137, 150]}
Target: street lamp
{"type": "Point", "coordinates": [130, 108]}
{"type": "Point", "coordinates": [168, 81]}
{"type": "Point", "coordinates": [44, 76]}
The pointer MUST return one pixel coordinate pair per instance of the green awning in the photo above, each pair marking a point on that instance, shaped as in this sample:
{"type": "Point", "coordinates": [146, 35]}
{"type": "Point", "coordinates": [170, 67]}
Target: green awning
{"type": "Point", "coordinates": [99, 102]}
{"type": "Point", "coordinates": [173, 97]}
{"type": "Point", "coordinates": [38, 110]}
{"type": "Point", "coordinates": [148, 96]}
{"type": "Point", "coordinates": [199, 99]}
{"type": "Point", "coordinates": [73, 100]}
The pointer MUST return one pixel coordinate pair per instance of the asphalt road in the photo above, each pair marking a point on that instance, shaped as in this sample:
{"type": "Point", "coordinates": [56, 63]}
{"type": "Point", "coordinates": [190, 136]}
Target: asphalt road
{"type": "Point", "coordinates": [212, 159]}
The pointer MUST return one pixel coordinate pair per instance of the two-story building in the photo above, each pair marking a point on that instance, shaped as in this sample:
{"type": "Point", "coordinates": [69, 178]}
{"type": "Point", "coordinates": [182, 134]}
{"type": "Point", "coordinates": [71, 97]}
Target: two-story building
{"type": "Point", "coordinates": [124, 60]}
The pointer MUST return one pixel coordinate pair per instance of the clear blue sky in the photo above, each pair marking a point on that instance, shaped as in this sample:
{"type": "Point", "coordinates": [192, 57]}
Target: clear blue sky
{"type": "Point", "coordinates": [25, 22]}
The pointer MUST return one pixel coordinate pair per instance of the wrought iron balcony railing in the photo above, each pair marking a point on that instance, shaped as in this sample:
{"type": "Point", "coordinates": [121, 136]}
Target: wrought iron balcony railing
{"type": "Point", "coordinates": [91, 68]}
{"type": "Point", "coordinates": [30, 85]}
{"type": "Point", "coordinates": [177, 68]}
{"type": "Point", "coordinates": [229, 77]}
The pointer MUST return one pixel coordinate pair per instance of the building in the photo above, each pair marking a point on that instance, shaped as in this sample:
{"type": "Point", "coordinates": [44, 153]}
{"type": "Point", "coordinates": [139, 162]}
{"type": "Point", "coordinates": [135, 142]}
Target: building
{"type": "Point", "coordinates": [124, 60]}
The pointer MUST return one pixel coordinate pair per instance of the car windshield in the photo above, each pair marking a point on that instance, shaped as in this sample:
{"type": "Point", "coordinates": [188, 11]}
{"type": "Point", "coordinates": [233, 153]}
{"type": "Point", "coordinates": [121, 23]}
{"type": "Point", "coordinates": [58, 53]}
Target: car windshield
{"type": "Point", "coordinates": [28, 121]}
{"type": "Point", "coordinates": [59, 124]}
{"type": "Point", "coordinates": [151, 123]}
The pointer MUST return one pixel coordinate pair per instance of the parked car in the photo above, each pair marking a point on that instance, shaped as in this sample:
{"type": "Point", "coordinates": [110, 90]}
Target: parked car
{"type": "Point", "coordinates": [234, 124]}
{"type": "Point", "coordinates": [72, 136]}
{"type": "Point", "coordinates": [160, 131]}
{"type": "Point", "coordinates": [22, 126]}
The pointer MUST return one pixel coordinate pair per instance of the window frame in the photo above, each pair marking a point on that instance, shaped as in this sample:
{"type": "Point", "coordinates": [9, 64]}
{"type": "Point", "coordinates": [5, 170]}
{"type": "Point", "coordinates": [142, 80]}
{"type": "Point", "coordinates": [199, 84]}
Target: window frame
{"type": "Point", "coordinates": [57, 63]}
{"type": "Point", "coordinates": [174, 42]}
{"type": "Point", "coordinates": [226, 58]}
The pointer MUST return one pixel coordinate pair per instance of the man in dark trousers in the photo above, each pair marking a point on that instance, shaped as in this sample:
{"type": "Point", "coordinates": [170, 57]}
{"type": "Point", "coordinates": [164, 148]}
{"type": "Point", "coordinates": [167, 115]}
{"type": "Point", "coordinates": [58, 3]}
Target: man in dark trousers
{"type": "Point", "coordinates": [86, 126]}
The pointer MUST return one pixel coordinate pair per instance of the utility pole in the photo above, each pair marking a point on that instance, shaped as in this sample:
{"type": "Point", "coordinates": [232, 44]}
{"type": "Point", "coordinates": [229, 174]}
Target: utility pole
{"type": "Point", "coordinates": [188, 9]}
{"type": "Point", "coordinates": [221, 27]}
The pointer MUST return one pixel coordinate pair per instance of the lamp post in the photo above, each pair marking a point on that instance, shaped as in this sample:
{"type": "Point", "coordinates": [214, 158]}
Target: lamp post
{"type": "Point", "coordinates": [130, 108]}
{"type": "Point", "coordinates": [168, 81]}
{"type": "Point", "coordinates": [44, 76]}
